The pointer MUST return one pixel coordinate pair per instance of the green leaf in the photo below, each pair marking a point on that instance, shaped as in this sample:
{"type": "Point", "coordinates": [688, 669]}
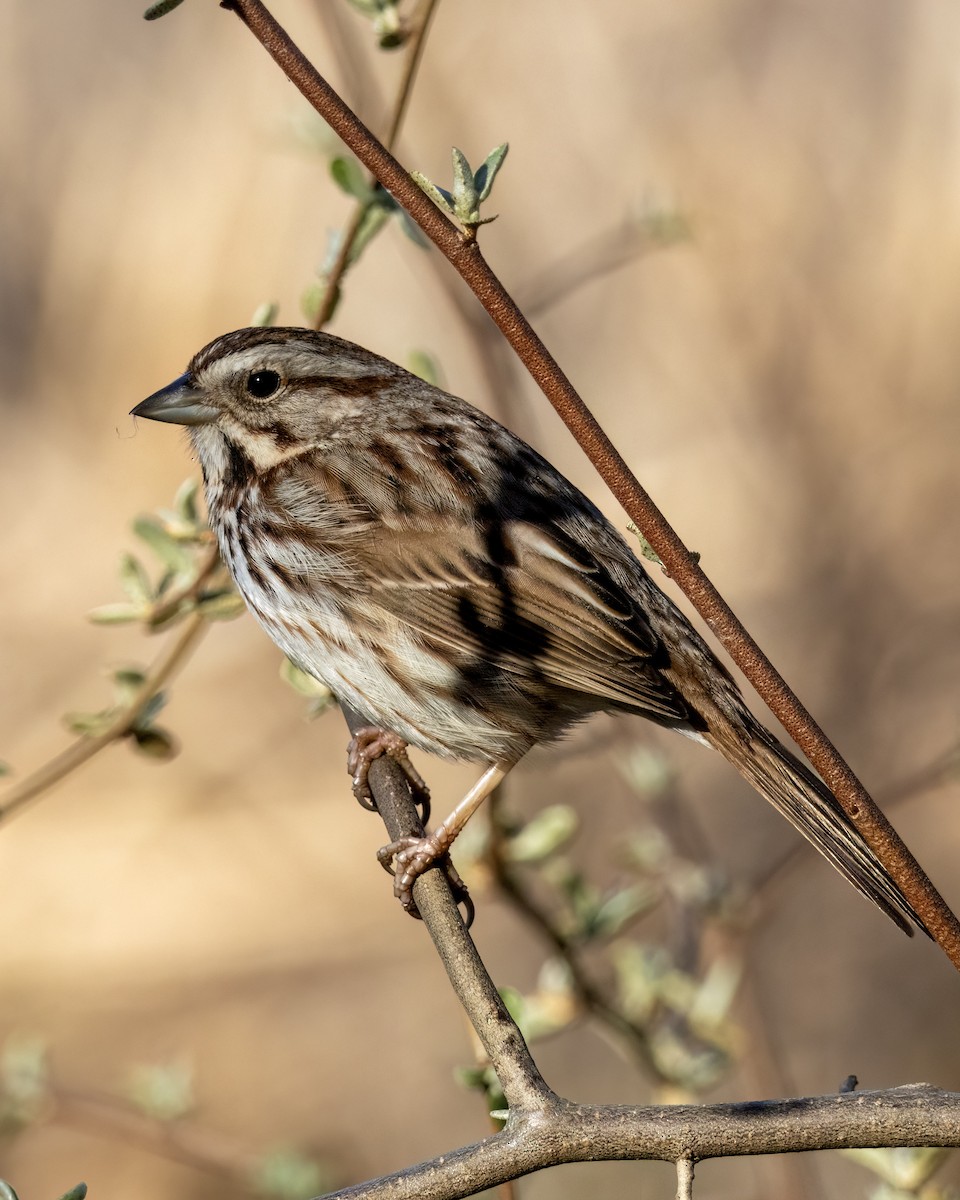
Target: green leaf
{"type": "Point", "coordinates": [440, 197]}
{"type": "Point", "coordinates": [319, 695]}
{"type": "Point", "coordinates": [375, 216]}
{"type": "Point", "coordinates": [265, 314]}
{"type": "Point", "coordinates": [715, 995]}
{"type": "Point", "coordinates": [128, 681]}
{"type": "Point", "coordinates": [77, 1192]}
{"type": "Point", "coordinates": [185, 501]}
{"type": "Point", "coordinates": [465, 198]}
{"type": "Point", "coordinates": [160, 540]}
{"type": "Point", "coordinates": [313, 298]}
{"type": "Point", "coordinates": [160, 9]}
{"type": "Point", "coordinates": [290, 1175]}
{"type": "Point", "coordinates": [163, 1091]}
{"type": "Point", "coordinates": [648, 772]}
{"type": "Point", "coordinates": [487, 173]}
{"type": "Point", "coordinates": [638, 971]}
{"type": "Point", "coordinates": [412, 230]}
{"type": "Point", "coordinates": [155, 705]}
{"type": "Point", "coordinates": [302, 682]}
{"type": "Point", "coordinates": [114, 614]}
{"type": "Point", "coordinates": [88, 724]}
{"type": "Point", "coordinates": [904, 1167]}
{"type": "Point", "coordinates": [221, 606]}
{"type": "Point", "coordinates": [550, 829]}
{"type": "Point", "coordinates": [155, 743]}
{"type": "Point", "coordinates": [425, 366]}
{"type": "Point", "coordinates": [135, 581]}
{"type": "Point", "coordinates": [350, 177]}
{"type": "Point", "coordinates": [5, 768]}
{"type": "Point", "coordinates": [622, 906]}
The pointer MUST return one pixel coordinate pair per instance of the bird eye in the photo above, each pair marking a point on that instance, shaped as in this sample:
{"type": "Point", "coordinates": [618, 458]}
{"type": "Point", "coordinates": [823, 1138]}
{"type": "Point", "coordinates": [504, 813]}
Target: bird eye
{"type": "Point", "coordinates": [262, 383]}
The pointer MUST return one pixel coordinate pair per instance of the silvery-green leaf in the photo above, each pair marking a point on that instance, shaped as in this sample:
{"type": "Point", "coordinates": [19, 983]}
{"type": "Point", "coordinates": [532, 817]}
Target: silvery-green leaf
{"type": "Point", "coordinates": [221, 606]}
{"type": "Point", "coordinates": [425, 366]}
{"type": "Point", "coordinates": [5, 768]}
{"type": "Point", "coordinates": [88, 724]}
{"type": "Point", "coordinates": [375, 216]}
{"type": "Point", "coordinates": [301, 681]}
{"type": "Point", "coordinates": [440, 197]}
{"type": "Point", "coordinates": [151, 709]}
{"type": "Point", "coordinates": [164, 1091]}
{"type": "Point", "coordinates": [114, 614]}
{"type": "Point", "coordinates": [135, 581]}
{"type": "Point", "coordinates": [170, 552]}
{"type": "Point", "coordinates": [350, 177]}
{"type": "Point", "coordinates": [265, 314]}
{"type": "Point", "coordinates": [906, 1168]}
{"type": "Point", "coordinates": [185, 501]}
{"type": "Point", "coordinates": [543, 836]}
{"type": "Point", "coordinates": [77, 1192]}
{"type": "Point", "coordinates": [413, 230]}
{"type": "Point", "coordinates": [647, 771]}
{"type": "Point", "coordinates": [622, 906]}
{"type": "Point", "coordinates": [128, 680]}
{"type": "Point", "coordinates": [389, 28]}
{"type": "Point", "coordinates": [154, 743]}
{"type": "Point", "coordinates": [515, 1003]}
{"type": "Point", "coordinates": [313, 299]}
{"type": "Point", "coordinates": [160, 9]}
{"type": "Point", "coordinates": [289, 1175]}
{"type": "Point", "coordinates": [464, 190]}
{"type": "Point", "coordinates": [487, 173]}
{"type": "Point", "coordinates": [638, 971]}
{"type": "Point", "coordinates": [712, 1002]}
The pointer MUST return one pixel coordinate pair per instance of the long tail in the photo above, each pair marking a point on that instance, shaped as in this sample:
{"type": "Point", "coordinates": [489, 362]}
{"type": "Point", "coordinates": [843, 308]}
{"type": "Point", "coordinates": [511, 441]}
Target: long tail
{"type": "Point", "coordinates": [807, 804]}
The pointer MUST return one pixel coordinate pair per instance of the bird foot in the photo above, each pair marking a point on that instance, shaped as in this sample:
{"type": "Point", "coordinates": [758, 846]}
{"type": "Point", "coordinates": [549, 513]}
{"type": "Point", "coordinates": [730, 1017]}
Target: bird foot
{"type": "Point", "coordinates": [367, 745]}
{"type": "Point", "coordinates": [408, 858]}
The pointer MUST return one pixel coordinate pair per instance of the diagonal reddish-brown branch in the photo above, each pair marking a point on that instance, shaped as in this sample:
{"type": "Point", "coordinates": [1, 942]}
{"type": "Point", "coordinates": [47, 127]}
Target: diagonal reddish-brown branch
{"type": "Point", "coordinates": [465, 256]}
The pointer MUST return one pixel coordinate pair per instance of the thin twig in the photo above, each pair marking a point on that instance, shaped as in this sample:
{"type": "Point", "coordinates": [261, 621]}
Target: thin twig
{"type": "Point", "coordinates": [85, 748]}
{"type": "Point", "coordinates": [175, 1141]}
{"type": "Point", "coordinates": [685, 1167]}
{"type": "Point", "coordinates": [415, 45]}
{"type": "Point", "coordinates": [464, 254]}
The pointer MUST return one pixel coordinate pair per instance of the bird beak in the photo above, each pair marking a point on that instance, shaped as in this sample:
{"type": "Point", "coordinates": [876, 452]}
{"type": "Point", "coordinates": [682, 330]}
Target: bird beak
{"type": "Point", "coordinates": [179, 403]}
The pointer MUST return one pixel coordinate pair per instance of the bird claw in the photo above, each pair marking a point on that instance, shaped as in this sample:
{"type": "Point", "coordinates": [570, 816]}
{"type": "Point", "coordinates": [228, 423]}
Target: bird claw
{"type": "Point", "coordinates": [408, 858]}
{"type": "Point", "coordinates": [367, 745]}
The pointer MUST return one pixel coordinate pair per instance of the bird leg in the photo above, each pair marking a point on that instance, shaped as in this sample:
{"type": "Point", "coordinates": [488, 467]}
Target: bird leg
{"type": "Point", "coordinates": [408, 858]}
{"type": "Point", "coordinates": [368, 744]}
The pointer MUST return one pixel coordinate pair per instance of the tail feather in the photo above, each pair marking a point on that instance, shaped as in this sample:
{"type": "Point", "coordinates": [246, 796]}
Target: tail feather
{"type": "Point", "coordinates": [811, 808]}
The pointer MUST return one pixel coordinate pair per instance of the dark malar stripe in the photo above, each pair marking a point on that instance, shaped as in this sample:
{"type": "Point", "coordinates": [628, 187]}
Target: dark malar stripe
{"type": "Point", "coordinates": [239, 471]}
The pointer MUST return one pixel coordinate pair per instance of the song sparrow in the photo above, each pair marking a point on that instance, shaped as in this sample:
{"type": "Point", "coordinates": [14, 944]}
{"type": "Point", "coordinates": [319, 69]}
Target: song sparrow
{"type": "Point", "coordinates": [449, 584]}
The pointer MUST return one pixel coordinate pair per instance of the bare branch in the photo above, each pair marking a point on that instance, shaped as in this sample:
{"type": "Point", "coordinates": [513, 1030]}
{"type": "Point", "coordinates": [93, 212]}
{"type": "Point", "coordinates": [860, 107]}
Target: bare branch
{"type": "Point", "coordinates": [915, 1115]}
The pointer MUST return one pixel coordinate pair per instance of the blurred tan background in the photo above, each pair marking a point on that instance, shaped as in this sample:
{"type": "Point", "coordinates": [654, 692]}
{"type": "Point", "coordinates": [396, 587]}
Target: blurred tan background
{"type": "Point", "coordinates": [785, 383]}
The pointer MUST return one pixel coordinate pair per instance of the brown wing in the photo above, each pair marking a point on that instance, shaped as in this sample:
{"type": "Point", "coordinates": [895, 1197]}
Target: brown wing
{"type": "Point", "coordinates": [537, 604]}
{"type": "Point", "coordinates": [530, 582]}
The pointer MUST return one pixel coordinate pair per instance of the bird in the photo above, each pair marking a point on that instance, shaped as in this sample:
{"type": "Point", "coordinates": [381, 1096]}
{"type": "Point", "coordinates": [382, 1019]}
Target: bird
{"type": "Point", "coordinates": [450, 585]}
